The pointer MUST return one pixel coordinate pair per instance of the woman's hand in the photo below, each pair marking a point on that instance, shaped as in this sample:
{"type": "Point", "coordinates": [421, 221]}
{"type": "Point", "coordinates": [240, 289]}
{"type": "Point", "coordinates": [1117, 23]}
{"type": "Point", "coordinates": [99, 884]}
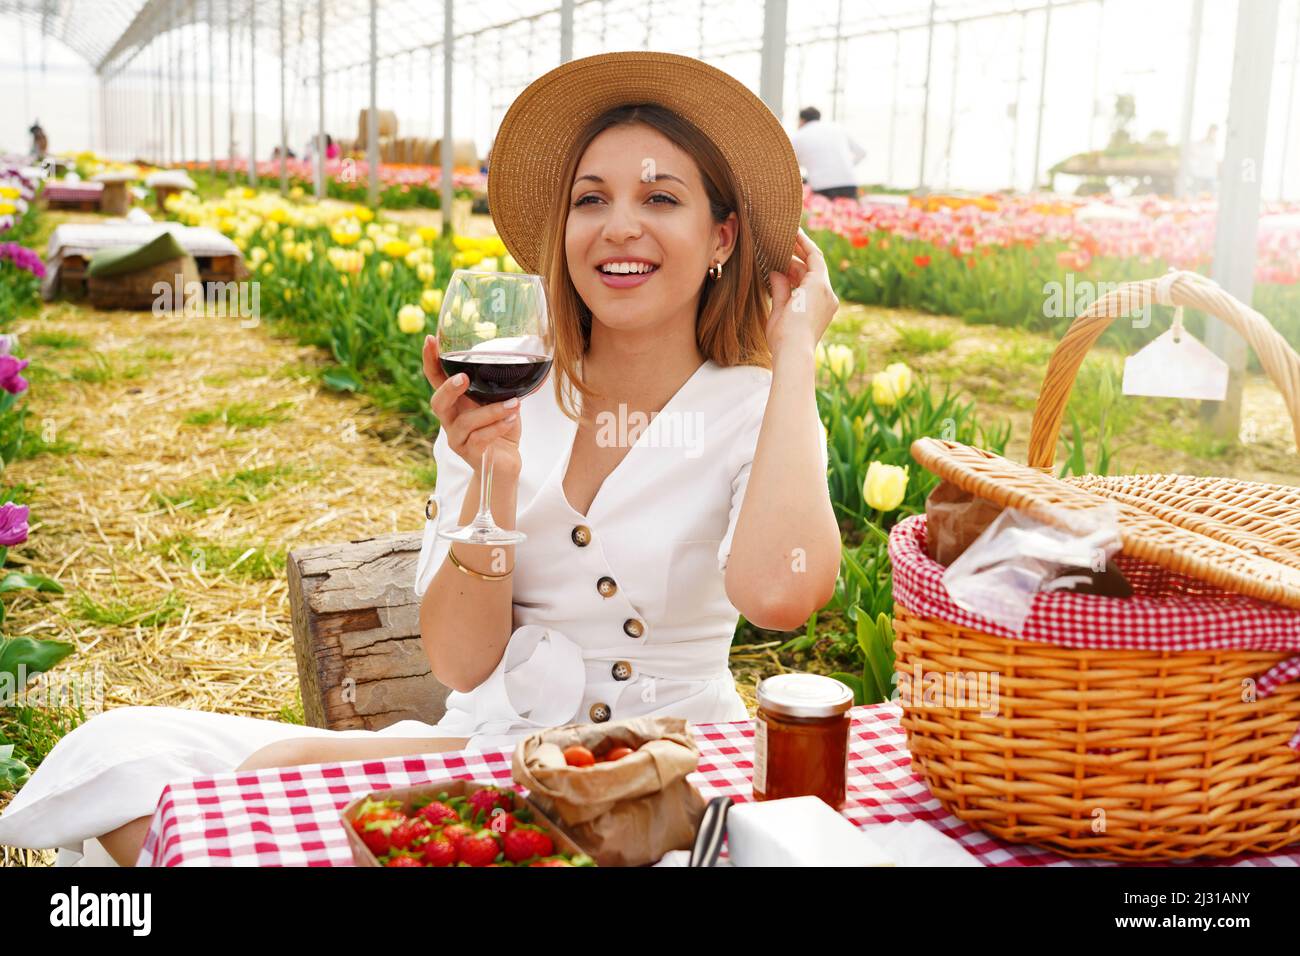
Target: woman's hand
{"type": "Point", "coordinates": [471, 427]}
{"type": "Point", "coordinates": [803, 302]}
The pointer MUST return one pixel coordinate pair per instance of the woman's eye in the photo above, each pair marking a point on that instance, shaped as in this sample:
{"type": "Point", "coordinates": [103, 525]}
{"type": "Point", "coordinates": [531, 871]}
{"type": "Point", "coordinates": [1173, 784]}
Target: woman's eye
{"type": "Point", "coordinates": [582, 200]}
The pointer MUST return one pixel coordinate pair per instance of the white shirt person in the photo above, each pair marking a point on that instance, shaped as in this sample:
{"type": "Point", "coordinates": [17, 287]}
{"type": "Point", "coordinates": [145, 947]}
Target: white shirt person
{"type": "Point", "coordinates": [621, 612]}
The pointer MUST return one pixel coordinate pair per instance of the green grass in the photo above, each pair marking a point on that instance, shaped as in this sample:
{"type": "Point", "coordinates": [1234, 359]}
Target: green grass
{"type": "Point", "coordinates": [299, 370]}
{"type": "Point", "coordinates": [35, 730]}
{"type": "Point", "coordinates": [246, 562]}
{"type": "Point", "coordinates": [920, 340]}
{"type": "Point", "coordinates": [241, 415]}
{"type": "Point", "coordinates": [114, 613]}
{"type": "Point", "coordinates": [293, 713]}
{"type": "Point", "coordinates": [104, 369]}
{"type": "Point", "coordinates": [424, 475]}
{"type": "Point", "coordinates": [248, 486]}
{"type": "Point", "coordinates": [55, 339]}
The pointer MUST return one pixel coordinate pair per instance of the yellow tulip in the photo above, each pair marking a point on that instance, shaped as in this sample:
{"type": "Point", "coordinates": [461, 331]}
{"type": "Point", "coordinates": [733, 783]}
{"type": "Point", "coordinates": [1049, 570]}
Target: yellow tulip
{"type": "Point", "coordinates": [838, 358]}
{"type": "Point", "coordinates": [428, 233]}
{"type": "Point", "coordinates": [288, 295]}
{"type": "Point", "coordinates": [424, 272]}
{"type": "Point", "coordinates": [385, 269]}
{"type": "Point", "coordinates": [410, 319]}
{"type": "Point", "coordinates": [396, 248]}
{"type": "Point", "coordinates": [901, 376]}
{"type": "Point", "coordinates": [431, 301]}
{"type": "Point", "coordinates": [366, 247]}
{"type": "Point", "coordinates": [885, 487]}
{"type": "Point", "coordinates": [363, 213]}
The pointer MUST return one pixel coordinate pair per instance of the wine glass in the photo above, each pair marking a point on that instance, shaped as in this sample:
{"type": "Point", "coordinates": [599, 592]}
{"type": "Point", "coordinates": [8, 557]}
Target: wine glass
{"type": "Point", "coordinates": [494, 327]}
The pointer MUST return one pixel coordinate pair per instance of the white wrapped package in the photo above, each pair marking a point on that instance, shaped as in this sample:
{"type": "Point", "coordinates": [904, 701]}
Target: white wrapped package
{"type": "Point", "coordinates": [797, 831]}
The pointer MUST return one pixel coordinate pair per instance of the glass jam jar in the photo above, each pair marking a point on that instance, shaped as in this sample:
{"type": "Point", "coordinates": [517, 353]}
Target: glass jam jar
{"type": "Point", "coordinates": [801, 738]}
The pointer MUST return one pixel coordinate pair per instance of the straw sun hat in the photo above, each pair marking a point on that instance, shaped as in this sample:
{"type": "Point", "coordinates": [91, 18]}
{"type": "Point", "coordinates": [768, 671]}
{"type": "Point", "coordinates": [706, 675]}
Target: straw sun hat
{"type": "Point", "coordinates": [541, 125]}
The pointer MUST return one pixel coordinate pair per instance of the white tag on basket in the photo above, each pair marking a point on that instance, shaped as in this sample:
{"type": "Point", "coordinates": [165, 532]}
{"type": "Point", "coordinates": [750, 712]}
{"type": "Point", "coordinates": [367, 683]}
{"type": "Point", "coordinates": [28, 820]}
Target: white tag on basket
{"type": "Point", "coordinates": [1176, 365]}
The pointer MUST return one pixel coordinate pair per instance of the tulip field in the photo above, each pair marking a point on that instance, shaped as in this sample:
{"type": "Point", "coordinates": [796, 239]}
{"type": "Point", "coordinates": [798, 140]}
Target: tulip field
{"type": "Point", "coordinates": [198, 423]}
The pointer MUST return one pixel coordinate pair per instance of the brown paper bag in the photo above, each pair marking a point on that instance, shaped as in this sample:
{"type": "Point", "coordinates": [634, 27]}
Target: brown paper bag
{"type": "Point", "coordinates": [953, 520]}
{"type": "Point", "coordinates": [628, 812]}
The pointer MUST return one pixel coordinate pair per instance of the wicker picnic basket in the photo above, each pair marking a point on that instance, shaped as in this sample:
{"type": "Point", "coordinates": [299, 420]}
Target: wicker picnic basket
{"type": "Point", "coordinates": [1108, 743]}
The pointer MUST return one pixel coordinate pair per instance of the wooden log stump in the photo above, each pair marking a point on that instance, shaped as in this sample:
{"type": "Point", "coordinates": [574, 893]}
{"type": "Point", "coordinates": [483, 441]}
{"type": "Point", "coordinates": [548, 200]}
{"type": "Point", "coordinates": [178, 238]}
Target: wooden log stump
{"type": "Point", "coordinates": [356, 635]}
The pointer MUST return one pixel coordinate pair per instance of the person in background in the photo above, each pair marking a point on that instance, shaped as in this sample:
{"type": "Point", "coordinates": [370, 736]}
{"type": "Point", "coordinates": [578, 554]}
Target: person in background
{"type": "Point", "coordinates": [1203, 163]}
{"type": "Point", "coordinates": [828, 154]}
{"type": "Point", "coordinates": [331, 147]}
{"type": "Point", "coordinates": [40, 143]}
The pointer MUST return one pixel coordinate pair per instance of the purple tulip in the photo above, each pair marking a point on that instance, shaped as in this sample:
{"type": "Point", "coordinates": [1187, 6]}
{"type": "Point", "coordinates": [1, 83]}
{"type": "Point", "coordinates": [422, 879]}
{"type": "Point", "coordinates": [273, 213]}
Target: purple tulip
{"type": "Point", "coordinates": [23, 258]}
{"type": "Point", "coordinates": [10, 379]}
{"type": "Point", "coordinates": [13, 524]}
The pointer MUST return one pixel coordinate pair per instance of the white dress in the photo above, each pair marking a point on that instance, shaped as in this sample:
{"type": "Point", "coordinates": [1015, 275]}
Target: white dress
{"type": "Point", "coordinates": [619, 613]}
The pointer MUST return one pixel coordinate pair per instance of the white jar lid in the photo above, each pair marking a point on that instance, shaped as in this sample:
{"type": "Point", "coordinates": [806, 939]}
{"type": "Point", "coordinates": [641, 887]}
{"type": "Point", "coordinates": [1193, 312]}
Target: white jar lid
{"type": "Point", "coordinates": [804, 695]}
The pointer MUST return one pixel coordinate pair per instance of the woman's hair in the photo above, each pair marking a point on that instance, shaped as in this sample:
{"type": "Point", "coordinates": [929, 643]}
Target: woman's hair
{"type": "Point", "coordinates": [731, 321]}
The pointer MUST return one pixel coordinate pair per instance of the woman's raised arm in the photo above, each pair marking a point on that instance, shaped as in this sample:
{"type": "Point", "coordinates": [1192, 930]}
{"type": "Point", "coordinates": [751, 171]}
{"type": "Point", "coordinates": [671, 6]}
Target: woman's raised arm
{"type": "Point", "coordinates": [785, 553]}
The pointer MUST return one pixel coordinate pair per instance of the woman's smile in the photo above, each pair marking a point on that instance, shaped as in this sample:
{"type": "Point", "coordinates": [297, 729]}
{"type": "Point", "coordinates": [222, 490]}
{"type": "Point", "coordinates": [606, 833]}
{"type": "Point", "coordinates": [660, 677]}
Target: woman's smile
{"type": "Point", "coordinates": [626, 273]}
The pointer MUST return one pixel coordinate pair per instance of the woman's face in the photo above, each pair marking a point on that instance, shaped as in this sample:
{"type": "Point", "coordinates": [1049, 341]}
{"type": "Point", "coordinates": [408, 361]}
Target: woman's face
{"type": "Point", "coordinates": [638, 203]}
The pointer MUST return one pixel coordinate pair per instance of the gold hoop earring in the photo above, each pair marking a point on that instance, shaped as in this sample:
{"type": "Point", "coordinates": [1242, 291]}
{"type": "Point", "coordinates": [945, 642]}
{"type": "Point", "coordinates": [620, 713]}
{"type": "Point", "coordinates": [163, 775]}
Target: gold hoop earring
{"type": "Point", "coordinates": [715, 271]}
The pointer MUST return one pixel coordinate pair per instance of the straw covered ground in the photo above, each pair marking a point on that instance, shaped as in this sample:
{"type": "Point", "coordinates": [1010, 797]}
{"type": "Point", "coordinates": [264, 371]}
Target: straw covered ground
{"type": "Point", "coordinates": [189, 455]}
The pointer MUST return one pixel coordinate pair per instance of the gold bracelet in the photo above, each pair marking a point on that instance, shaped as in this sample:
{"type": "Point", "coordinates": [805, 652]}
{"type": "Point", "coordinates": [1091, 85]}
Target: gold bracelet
{"type": "Point", "coordinates": [451, 553]}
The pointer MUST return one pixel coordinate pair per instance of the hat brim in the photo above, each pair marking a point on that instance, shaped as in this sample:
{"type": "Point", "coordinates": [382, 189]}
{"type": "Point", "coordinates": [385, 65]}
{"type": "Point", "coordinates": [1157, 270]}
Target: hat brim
{"type": "Point", "coordinates": [540, 128]}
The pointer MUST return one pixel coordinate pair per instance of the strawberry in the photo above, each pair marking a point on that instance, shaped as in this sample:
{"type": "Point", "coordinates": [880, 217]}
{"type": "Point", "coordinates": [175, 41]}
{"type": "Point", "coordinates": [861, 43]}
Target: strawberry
{"type": "Point", "coordinates": [373, 810]}
{"type": "Point", "coordinates": [488, 799]}
{"type": "Point", "coordinates": [377, 839]}
{"type": "Point", "coordinates": [407, 832]}
{"type": "Point", "coordinates": [403, 861]}
{"type": "Point", "coordinates": [439, 851]}
{"type": "Point", "coordinates": [527, 841]}
{"type": "Point", "coordinates": [456, 832]}
{"type": "Point", "coordinates": [552, 861]}
{"type": "Point", "coordinates": [500, 822]}
{"type": "Point", "coordinates": [480, 849]}
{"type": "Point", "coordinates": [438, 813]}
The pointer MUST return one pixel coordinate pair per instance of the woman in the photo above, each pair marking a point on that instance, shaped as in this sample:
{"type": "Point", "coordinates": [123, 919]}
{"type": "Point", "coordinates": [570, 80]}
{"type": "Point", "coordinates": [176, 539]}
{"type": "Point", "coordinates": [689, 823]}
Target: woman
{"type": "Point", "coordinates": [644, 540]}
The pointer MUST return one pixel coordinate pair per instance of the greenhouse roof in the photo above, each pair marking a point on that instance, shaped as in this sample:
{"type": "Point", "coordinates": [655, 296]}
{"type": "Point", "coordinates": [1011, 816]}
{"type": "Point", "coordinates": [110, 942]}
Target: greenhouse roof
{"type": "Point", "coordinates": [109, 33]}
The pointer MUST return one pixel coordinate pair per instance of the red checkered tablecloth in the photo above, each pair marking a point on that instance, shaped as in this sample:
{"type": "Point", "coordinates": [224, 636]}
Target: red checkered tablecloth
{"type": "Point", "coordinates": [290, 816]}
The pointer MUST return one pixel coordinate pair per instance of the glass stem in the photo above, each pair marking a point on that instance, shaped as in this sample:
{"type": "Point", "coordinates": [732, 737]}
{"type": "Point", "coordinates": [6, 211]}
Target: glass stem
{"type": "Point", "coordinates": [484, 517]}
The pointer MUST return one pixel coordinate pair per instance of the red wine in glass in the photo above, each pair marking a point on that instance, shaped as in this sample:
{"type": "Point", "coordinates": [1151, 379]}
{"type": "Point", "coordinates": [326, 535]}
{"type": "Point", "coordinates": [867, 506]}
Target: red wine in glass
{"type": "Point", "coordinates": [497, 376]}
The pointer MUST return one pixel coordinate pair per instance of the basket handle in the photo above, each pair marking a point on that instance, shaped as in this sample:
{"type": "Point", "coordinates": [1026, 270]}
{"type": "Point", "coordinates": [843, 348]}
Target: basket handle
{"type": "Point", "coordinates": [1189, 289]}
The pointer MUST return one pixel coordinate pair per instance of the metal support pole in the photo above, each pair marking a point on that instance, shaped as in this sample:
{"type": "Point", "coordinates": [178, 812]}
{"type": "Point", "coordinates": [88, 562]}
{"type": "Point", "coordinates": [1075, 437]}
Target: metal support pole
{"type": "Point", "coordinates": [171, 90]}
{"type": "Point", "coordinates": [1189, 99]}
{"type": "Point", "coordinates": [320, 99]}
{"type": "Point", "coordinates": [893, 110]}
{"type": "Point", "coordinates": [1042, 97]}
{"type": "Point", "coordinates": [925, 102]}
{"type": "Point", "coordinates": [1290, 107]}
{"type": "Point", "coordinates": [1096, 72]}
{"type": "Point", "coordinates": [194, 77]}
{"type": "Point", "coordinates": [178, 105]}
{"type": "Point", "coordinates": [212, 94]}
{"type": "Point", "coordinates": [448, 67]}
{"type": "Point", "coordinates": [252, 93]}
{"type": "Point", "coordinates": [372, 118]}
{"type": "Point", "coordinates": [230, 90]}
{"type": "Point", "coordinates": [952, 104]}
{"type": "Point", "coordinates": [1237, 228]}
{"type": "Point", "coordinates": [1015, 116]}
{"type": "Point", "coordinates": [566, 30]}
{"type": "Point", "coordinates": [771, 75]}
{"type": "Point", "coordinates": [835, 77]}
{"type": "Point", "coordinates": [284, 119]}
